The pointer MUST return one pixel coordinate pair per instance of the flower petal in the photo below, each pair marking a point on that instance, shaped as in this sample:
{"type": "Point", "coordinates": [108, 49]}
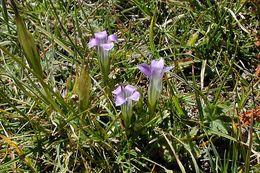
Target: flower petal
{"type": "Point", "coordinates": [93, 42]}
{"type": "Point", "coordinates": [112, 38]}
{"type": "Point", "coordinates": [135, 96]}
{"type": "Point", "coordinates": [119, 100]}
{"type": "Point", "coordinates": [145, 69]}
{"type": "Point", "coordinates": [130, 89]}
{"type": "Point", "coordinates": [158, 65]}
{"type": "Point", "coordinates": [118, 90]}
{"type": "Point", "coordinates": [107, 46]}
{"type": "Point", "coordinates": [157, 69]}
{"type": "Point", "coordinates": [101, 35]}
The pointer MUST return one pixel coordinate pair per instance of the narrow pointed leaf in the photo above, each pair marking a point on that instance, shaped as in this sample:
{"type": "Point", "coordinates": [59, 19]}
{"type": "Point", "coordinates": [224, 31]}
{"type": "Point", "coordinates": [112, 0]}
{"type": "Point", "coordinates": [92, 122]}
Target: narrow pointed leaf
{"type": "Point", "coordinates": [84, 88]}
{"type": "Point", "coordinates": [27, 43]}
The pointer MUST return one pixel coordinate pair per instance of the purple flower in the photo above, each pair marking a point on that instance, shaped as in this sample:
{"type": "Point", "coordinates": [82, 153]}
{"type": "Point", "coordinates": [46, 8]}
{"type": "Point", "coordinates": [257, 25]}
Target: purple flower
{"type": "Point", "coordinates": [154, 71]}
{"type": "Point", "coordinates": [125, 94]}
{"type": "Point", "coordinates": [104, 44]}
{"type": "Point", "coordinates": [124, 97]}
{"type": "Point", "coordinates": [103, 41]}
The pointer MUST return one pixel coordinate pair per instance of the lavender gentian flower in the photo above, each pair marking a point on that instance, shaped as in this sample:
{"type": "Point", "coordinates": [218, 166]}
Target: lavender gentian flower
{"type": "Point", "coordinates": [124, 97]}
{"type": "Point", "coordinates": [102, 40]}
{"type": "Point", "coordinates": [155, 73]}
{"type": "Point", "coordinates": [104, 44]}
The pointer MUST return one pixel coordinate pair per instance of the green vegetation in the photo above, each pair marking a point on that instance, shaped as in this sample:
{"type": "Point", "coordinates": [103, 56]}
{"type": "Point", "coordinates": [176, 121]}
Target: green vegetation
{"type": "Point", "coordinates": [58, 113]}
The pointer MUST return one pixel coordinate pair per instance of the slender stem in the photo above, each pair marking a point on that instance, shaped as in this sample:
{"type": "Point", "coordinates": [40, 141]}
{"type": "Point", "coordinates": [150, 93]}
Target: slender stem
{"type": "Point", "coordinates": [251, 130]}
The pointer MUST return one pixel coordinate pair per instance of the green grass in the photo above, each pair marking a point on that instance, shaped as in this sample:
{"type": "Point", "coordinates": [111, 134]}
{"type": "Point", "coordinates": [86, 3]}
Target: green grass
{"type": "Point", "coordinates": [54, 118]}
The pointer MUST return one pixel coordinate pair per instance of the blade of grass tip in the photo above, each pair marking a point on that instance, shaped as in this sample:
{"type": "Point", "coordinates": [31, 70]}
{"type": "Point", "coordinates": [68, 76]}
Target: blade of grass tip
{"type": "Point", "coordinates": [174, 153]}
{"type": "Point", "coordinates": [27, 43]}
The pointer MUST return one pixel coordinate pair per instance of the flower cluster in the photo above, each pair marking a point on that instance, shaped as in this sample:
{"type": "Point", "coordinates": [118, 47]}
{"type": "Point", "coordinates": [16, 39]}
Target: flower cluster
{"type": "Point", "coordinates": [125, 95]}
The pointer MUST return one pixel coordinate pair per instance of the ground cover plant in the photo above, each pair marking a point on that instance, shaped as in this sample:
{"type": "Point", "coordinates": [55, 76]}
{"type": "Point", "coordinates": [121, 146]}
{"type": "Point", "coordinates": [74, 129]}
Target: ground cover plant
{"type": "Point", "coordinates": [129, 86]}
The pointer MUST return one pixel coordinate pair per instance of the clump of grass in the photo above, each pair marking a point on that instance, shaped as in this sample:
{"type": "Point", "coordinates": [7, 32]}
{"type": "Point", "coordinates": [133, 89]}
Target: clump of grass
{"type": "Point", "coordinates": [57, 115]}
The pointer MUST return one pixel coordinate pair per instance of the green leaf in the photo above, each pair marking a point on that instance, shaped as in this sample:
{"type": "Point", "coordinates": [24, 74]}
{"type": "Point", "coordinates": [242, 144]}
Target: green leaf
{"type": "Point", "coordinates": [193, 39]}
{"type": "Point", "coordinates": [218, 126]}
{"type": "Point", "coordinates": [84, 88]}
{"type": "Point", "coordinates": [27, 43]}
{"type": "Point", "coordinates": [176, 104]}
